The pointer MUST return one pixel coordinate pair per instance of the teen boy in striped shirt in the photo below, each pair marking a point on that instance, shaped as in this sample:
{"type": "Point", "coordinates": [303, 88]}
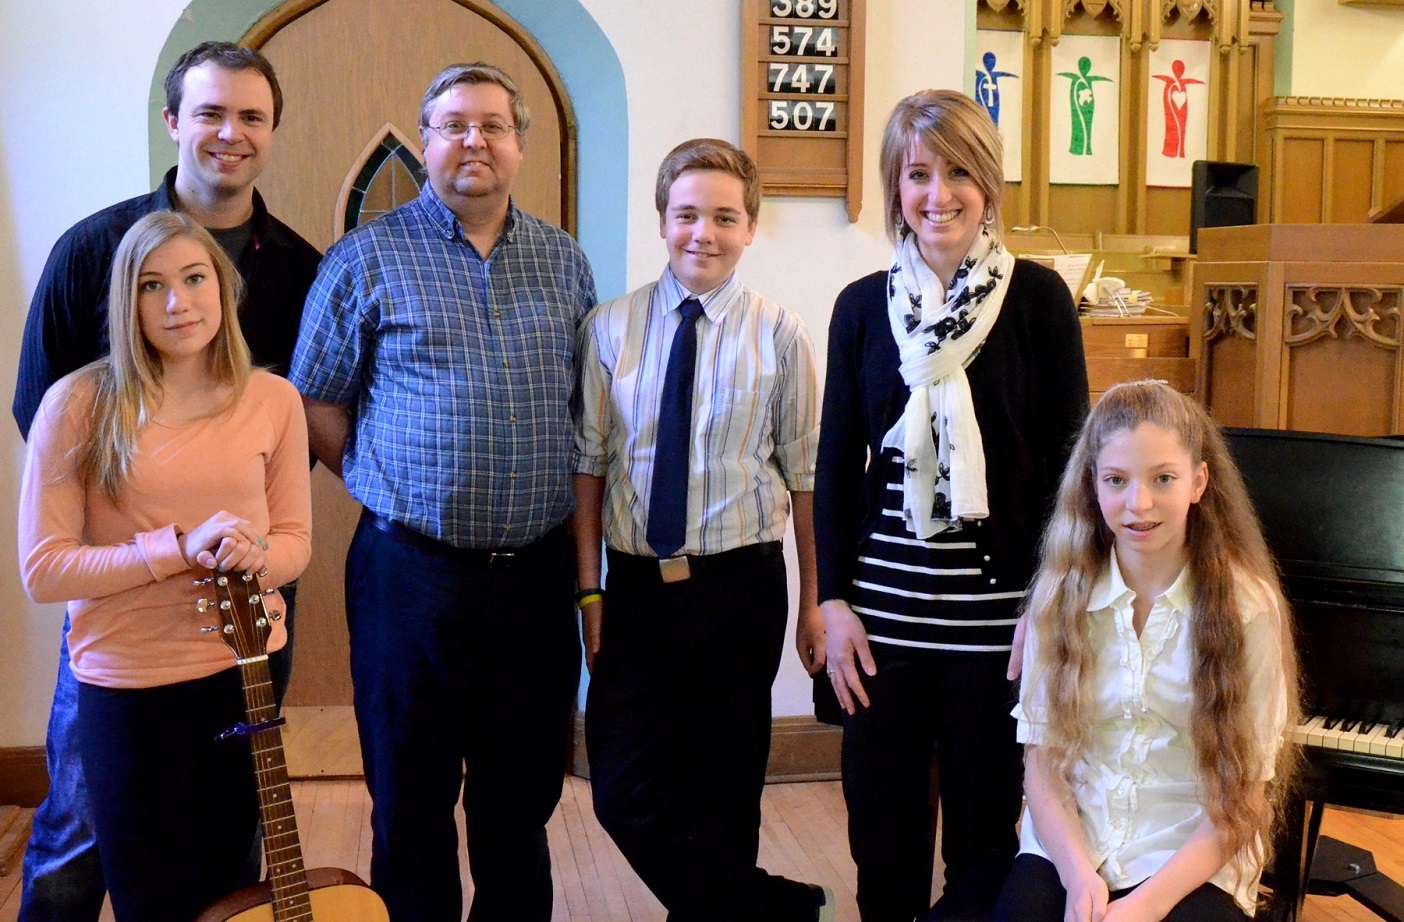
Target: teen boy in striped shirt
{"type": "Point", "coordinates": [688, 460]}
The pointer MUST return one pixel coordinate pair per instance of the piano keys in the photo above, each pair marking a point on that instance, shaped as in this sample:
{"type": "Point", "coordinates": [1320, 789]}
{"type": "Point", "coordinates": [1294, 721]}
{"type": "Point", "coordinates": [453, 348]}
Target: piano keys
{"type": "Point", "coordinates": [1357, 736]}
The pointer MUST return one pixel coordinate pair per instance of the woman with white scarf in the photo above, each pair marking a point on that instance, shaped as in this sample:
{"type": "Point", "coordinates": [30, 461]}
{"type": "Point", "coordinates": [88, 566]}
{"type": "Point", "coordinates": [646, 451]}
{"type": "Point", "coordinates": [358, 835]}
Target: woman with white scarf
{"type": "Point", "coordinates": [956, 384]}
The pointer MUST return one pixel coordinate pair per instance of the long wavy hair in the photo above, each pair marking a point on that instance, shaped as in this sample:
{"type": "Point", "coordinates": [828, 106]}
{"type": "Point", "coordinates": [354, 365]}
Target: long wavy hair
{"type": "Point", "coordinates": [1225, 545]}
{"type": "Point", "coordinates": [128, 380]}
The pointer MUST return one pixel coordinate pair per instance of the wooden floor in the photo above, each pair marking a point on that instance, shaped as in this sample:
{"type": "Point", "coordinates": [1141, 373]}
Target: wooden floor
{"type": "Point", "coordinates": [802, 836]}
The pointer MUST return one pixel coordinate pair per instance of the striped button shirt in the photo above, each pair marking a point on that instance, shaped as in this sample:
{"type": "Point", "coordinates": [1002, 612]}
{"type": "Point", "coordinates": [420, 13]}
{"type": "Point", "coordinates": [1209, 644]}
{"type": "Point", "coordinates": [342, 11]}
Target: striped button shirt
{"type": "Point", "coordinates": [754, 417]}
{"type": "Point", "coordinates": [459, 370]}
{"type": "Point", "coordinates": [933, 594]}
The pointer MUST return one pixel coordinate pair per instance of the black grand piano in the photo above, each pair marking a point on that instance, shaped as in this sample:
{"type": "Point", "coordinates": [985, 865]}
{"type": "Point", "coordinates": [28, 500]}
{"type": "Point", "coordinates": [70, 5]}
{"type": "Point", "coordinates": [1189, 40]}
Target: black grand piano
{"type": "Point", "coordinates": [1332, 509]}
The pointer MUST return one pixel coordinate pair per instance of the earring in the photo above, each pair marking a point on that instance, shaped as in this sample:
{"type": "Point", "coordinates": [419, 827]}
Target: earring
{"type": "Point", "coordinates": [989, 214]}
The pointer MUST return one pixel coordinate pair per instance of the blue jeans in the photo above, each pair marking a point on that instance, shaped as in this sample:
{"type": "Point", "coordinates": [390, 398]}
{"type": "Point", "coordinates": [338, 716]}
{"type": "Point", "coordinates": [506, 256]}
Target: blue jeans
{"type": "Point", "coordinates": [62, 878]}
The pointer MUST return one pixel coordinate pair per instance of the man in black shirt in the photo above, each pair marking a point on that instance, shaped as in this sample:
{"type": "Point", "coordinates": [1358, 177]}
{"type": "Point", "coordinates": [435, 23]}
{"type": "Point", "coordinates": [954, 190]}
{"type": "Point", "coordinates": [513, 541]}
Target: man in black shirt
{"type": "Point", "coordinates": [222, 106]}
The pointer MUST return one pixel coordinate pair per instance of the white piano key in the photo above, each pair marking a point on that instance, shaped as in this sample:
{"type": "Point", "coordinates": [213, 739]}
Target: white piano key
{"type": "Point", "coordinates": [1379, 741]}
{"type": "Point", "coordinates": [1331, 736]}
{"type": "Point", "coordinates": [1299, 734]}
{"type": "Point", "coordinates": [1315, 728]}
{"type": "Point", "coordinates": [1362, 740]}
{"type": "Point", "coordinates": [1394, 748]}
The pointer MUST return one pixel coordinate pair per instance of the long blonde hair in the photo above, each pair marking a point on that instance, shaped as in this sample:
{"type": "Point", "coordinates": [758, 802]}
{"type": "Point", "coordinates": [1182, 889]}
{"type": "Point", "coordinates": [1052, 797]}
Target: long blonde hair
{"type": "Point", "coordinates": [1225, 543]}
{"type": "Point", "coordinates": [128, 380]}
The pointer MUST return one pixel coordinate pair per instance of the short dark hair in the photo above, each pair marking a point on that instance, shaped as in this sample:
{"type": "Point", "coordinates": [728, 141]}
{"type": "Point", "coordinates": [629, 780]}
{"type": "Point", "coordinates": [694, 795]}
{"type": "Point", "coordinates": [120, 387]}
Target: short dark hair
{"type": "Point", "coordinates": [476, 73]}
{"type": "Point", "coordinates": [228, 56]}
{"type": "Point", "coordinates": [709, 154]}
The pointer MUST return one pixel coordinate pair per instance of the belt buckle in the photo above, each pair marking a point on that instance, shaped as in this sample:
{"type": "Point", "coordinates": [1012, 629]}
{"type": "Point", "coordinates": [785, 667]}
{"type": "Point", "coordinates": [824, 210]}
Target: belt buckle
{"type": "Point", "coordinates": [674, 569]}
{"type": "Point", "coordinates": [504, 558]}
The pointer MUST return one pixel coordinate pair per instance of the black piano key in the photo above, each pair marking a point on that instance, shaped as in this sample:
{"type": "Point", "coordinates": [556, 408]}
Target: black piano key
{"type": "Point", "coordinates": [1394, 729]}
{"type": "Point", "coordinates": [1348, 726]}
{"type": "Point", "coordinates": [1331, 723]}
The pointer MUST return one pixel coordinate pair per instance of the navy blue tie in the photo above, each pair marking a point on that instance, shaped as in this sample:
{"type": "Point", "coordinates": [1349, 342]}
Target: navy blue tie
{"type": "Point", "coordinates": [667, 501]}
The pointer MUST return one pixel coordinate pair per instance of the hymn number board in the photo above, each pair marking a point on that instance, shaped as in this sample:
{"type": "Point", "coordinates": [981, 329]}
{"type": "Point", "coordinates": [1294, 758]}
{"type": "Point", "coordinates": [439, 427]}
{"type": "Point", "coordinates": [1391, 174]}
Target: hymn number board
{"type": "Point", "coordinates": [802, 110]}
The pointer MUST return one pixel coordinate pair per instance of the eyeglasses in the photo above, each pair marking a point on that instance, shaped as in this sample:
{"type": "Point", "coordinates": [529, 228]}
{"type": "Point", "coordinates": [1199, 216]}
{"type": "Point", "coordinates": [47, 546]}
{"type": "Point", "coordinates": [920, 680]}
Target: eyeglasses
{"type": "Point", "coordinates": [457, 131]}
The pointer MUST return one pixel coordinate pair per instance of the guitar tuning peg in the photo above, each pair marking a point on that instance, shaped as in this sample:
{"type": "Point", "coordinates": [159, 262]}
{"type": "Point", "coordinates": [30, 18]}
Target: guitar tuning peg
{"type": "Point", "coordinates": [225, 605]}
{"type": "Point", "coordinates": [275, 616]}
{"type": "Point", "coordinates": [209, 629]}
{"type": "Point", "coordinates": [204, 582]}
{"type": "Point", "coordinates": [202, 605]}
{"type": "Point", "coordinates": [269, 591]}
{"type": "Point", "coordinates": [229, 629]}
{"type": "Point", "coordinates": [262, 622]}
{"type": "Point", "coordinates": [222, 581]}
{"type": "Point", "coordinates": [247, 577]}
{"type": "Point", "coordinates": [255, 599]}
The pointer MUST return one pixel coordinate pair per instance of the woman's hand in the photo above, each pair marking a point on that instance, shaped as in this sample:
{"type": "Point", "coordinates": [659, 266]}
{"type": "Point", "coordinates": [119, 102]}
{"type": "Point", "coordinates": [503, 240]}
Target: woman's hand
{"type": "Point", "coordinates": [225, 542]}
{"type": "Point", "coordinates": [1016, 652]}
{"type": "Point", "coordinates": [1087, 898]}
{"type": "Point", "coordinates": [846, 649]}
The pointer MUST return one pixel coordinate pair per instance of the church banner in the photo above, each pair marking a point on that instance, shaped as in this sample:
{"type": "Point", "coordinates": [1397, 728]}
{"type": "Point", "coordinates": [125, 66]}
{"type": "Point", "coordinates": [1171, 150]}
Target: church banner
{"type": "Point", "coordinates": [1084, 117]}
{"type": "Point", "coordinates": [1177, 111]}
{"type": "Point", "coordinates": [999, 87]}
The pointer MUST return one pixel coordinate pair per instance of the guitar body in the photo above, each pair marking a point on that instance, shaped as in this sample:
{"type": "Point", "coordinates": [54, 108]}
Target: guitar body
{"type": "Point", "coordinates": [337, 896]}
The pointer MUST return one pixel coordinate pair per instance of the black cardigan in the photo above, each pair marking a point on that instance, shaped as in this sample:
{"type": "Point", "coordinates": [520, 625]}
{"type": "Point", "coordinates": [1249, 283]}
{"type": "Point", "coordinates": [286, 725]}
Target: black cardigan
{"type": "Point", "coordinates": [1029, 386]}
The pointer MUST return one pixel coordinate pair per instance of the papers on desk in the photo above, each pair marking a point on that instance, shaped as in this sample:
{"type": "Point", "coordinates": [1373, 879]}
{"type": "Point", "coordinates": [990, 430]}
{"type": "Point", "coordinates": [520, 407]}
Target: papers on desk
{"type": "Point", "coordinates": [1106, 296]}
{"type": "Point", "coordinates": [1073, 267]}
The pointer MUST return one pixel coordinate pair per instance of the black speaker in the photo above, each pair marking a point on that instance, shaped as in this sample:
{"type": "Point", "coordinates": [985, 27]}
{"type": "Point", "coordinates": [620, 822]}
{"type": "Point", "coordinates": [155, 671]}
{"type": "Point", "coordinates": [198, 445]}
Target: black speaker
{"type": "Point", "coordinates": [1222, 195]}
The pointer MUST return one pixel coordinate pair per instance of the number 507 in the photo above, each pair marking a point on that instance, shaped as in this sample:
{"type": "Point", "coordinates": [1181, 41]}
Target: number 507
{"type": "Point", "coordinates": [802, 115]}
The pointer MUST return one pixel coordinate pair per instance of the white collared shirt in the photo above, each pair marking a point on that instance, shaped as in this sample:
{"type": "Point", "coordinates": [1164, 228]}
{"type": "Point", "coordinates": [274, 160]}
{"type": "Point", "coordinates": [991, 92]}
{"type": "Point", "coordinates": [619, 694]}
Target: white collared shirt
{"type": "Point", "coordinates": [754, 413]}
{"type": "Point", "coordinates": [1137, 785]}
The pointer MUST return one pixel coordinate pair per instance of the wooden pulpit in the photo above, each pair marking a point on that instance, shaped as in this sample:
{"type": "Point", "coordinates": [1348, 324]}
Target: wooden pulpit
{"type": "Point", "coordinates": [1297, 326]}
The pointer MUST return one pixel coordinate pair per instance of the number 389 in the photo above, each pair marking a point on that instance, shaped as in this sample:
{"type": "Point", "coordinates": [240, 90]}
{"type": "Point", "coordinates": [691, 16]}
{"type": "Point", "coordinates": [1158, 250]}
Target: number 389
{"type": "Point", "coordinates": [804, 9]}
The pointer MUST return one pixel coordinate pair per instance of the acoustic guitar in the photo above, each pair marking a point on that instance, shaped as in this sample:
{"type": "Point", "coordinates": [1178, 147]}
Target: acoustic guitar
{"type": "Point", "coordinates": [291, 892]}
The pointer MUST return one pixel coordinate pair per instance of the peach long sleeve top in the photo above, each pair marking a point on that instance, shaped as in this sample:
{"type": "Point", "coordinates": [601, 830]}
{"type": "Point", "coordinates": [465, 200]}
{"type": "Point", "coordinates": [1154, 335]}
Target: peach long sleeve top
{"type": "Point", "coordinates": [131, 596]}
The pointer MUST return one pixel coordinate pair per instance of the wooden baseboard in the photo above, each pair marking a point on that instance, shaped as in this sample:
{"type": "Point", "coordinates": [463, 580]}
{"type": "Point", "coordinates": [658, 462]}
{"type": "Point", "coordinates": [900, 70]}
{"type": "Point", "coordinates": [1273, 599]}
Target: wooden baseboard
{"type": "Point", "coordinates": [24, 776]}
{"type": "Point", "coordinates": [801, 749]}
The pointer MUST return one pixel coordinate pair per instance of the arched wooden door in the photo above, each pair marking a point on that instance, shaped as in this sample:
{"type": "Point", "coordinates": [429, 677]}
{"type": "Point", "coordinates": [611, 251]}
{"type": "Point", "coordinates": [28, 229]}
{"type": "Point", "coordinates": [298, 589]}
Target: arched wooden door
{"type": "Point", "coordinates": [353, 73]}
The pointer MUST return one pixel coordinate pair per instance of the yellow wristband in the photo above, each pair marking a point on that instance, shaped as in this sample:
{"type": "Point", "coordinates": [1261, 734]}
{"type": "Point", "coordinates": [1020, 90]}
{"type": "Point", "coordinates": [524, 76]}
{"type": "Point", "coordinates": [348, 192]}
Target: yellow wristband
{"type": "Point", "coordinates": [589, 598]}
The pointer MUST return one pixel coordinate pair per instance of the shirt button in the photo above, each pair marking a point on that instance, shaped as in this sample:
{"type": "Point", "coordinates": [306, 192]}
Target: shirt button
{"type": "Point", "coordinates": [512, 476]}
{"type": "Point", "coordinates": [497, 313]}
{"type": "Point", "coordinates": [993, 581]}
{"type": "Point", "coordinates": [506, 363]}
{"type": "Point", "coordinates": [506, 527]}
{"type": "Point", "coordinates": [987, 557]}
{"type": "Point", "coordinates": [511, 419]}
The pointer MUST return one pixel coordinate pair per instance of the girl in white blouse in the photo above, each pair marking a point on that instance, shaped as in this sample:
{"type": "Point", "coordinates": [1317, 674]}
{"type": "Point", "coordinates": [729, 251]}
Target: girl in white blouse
{"type": "Point", "coordinates": [1161, 676]}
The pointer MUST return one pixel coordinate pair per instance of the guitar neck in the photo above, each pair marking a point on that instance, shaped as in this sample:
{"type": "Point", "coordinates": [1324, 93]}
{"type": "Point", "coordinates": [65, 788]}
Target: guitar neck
{"type": "Point", "coordinates": [282, 850]}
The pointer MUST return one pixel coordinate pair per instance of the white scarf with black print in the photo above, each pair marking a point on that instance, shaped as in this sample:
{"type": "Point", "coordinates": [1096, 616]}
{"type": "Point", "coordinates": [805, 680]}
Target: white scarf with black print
{"type": "Point", "coordinates": [938, 334]}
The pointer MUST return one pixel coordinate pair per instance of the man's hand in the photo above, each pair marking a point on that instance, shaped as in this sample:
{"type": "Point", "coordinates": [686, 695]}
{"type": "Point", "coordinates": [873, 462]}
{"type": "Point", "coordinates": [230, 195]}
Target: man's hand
{"type": "Point", "coordinates": [809, 639]}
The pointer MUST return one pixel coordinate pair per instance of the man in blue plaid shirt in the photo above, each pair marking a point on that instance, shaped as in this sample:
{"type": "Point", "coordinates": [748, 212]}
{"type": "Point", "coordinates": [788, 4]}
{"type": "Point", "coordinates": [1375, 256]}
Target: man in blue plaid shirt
{"type": "Point", "coordinates": [437, 361]}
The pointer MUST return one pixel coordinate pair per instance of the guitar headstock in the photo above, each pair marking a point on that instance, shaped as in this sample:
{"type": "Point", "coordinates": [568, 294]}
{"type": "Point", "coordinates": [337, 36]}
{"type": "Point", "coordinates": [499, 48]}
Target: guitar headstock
{"type": "Point", "coordinates": [244, 621]}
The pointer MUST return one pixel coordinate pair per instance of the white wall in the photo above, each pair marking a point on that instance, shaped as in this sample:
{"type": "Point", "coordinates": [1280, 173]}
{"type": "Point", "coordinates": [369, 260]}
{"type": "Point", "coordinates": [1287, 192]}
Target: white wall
{"type": "Point", "coordinates": [1350, 52]}
{"type": "Point", "coordinates": [73, 138]}
{"type": "Point", "coordinates": [74, 77]}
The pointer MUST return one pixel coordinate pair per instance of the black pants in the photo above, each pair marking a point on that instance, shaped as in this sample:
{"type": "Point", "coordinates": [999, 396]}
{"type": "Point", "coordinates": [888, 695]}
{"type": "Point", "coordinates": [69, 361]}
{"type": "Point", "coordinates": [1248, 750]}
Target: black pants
{"type": "Point", "coordinates": [1034, 894]}
{"type": "Point", "coordinates": [959, 703]}
{"type": "Point", "coordinates": [464, 674]}
{"type": "Point", "coordinates": [174, 811]}
{"type": "Point", "coordinates": [678, 731]}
